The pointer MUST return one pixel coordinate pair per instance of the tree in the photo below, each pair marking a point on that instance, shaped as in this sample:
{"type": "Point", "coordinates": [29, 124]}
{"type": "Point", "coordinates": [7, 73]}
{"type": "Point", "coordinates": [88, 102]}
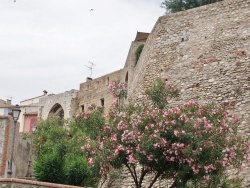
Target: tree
{"type": "Point", "coordinates": [59, 158]}
{"type": "Point", "coordinates": [188, 143]}
{"type": "Point", "coordinates": [173, 6]}
{"type": "Point", "coordinates": [50, 144]}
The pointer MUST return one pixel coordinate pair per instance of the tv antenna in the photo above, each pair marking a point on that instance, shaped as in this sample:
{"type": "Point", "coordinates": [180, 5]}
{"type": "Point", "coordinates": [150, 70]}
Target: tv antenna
{"type": "Point", "coordinates": [90, 67]}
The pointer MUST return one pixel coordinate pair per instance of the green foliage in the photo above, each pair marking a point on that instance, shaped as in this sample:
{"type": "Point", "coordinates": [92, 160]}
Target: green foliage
{"type": "Point", "coordinates": [49, 167]}
{"type": "Point", "coordinates": [88, 123]}
{"type": "Point", "coordinates": [49, 136]}
{"type": "Point", "coordinates": [138, 52]}
{"type": "Point", "coordinates": [75, 169]}
{"type": "Point", "coordinates": [173, 6]}
{"type": "Point", "coordinates": [158, 93]}
{"type": "Point", "coordinates": [50, 143]}
{"type": "Point", "coordinates": [57, 145]}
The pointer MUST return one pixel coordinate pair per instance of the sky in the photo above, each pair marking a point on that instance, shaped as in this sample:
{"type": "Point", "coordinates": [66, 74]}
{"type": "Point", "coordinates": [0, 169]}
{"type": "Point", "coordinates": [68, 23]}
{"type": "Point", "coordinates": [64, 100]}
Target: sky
{"type": "Point", "coordinates": [47, 44]}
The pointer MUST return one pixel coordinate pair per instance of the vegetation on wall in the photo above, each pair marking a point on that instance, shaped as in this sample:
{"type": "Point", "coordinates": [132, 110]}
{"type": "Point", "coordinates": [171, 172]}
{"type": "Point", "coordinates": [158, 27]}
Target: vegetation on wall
{"type": "Point", "coordinates": [138, 52]}
{"type": "Point", "coordinates": [173, 6]}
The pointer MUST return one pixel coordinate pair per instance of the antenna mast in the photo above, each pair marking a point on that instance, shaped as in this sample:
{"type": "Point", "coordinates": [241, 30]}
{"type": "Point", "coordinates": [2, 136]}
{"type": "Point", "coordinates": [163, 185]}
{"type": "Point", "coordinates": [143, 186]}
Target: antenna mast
{"type": "Point", "coordinates": [90, 67]}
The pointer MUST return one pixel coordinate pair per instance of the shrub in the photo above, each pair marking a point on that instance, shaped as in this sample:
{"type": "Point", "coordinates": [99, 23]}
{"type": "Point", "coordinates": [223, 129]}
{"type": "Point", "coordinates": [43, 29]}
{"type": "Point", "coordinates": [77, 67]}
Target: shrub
{"type": "Point", "coordinates": [138, 53]}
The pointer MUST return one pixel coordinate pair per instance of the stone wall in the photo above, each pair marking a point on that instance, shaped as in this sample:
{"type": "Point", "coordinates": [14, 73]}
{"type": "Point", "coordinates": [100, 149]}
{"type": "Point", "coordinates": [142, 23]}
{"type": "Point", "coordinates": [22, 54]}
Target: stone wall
{"type": "Point", "coordinates": [130, 64]}
{"type": "Point", "coordinates": [21, 149]}
{"type": "Point", "coordinates": [22, 156]}
{"type": "Point", "coordinates": [4, 142]}
{"type": "Point", "coordinates": [205, 52]}
{"type": "Point", "coordinates": [96, 91]}
{"type": "Point", "coordinates": [22, 183]}
{"type": "Point", "coordinates": [66, 100]}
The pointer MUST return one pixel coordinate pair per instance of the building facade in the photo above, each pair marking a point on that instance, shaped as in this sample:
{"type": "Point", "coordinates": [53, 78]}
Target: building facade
{"type": "Point", "coordinates": [29, 112]}
{"type": "Point", "coordinates": [5, 107]}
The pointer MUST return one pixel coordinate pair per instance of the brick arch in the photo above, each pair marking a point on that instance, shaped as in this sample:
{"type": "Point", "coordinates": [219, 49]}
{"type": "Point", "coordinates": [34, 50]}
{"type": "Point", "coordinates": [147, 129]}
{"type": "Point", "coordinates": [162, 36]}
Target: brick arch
{"type": "Point", "coordinates": [57, 110]}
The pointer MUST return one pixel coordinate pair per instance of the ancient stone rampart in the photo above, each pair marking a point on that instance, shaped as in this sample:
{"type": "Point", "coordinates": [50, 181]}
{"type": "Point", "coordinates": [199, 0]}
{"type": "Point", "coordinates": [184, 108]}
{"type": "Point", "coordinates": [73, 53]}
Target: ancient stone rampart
{"type": "Point", "coordinates": [95, 91]}
{"type": "Point", "coordinates": [205, 52]}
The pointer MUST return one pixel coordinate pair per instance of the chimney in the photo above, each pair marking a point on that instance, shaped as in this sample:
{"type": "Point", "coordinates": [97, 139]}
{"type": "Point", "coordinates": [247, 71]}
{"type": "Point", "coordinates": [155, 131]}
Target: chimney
{"type": "Point", "coordinates": [8, 101]}
{"type": "Point", "coordinates": [88, 79]}
{"type": "Point", "coordinates": [45, 92]}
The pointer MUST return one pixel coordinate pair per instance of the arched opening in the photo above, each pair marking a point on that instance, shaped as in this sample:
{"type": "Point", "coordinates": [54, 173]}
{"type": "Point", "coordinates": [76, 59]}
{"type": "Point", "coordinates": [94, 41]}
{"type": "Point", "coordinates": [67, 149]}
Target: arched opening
{"type": "Point", "coordinates": [57, 110]}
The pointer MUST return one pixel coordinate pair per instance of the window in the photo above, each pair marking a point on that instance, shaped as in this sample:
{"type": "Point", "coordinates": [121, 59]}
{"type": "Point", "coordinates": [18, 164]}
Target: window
{"type": "Point", "coordinates": [102, 101]}
{"type": "Point", "coordinates": [107, 81]}
{"type": "Point", "coordinates": [82, 108]}
{"type": "Point", "coordinates": [126, 78]}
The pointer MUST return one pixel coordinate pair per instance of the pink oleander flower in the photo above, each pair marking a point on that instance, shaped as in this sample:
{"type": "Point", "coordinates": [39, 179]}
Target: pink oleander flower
{"type": "Point", "coordinates": [206, 178]}
{"type": "Point", "coordinates": [90, 161]}
{"type": "Point", "coordinates": [131, 159]}
{"type": "Point", "coordinates": [176, 133]}
{"type": "Point", "coordinates": [119, 149]}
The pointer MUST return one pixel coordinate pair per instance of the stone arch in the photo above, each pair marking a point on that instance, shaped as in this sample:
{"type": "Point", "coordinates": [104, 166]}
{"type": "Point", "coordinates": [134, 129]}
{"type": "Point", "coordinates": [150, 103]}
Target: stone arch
{"type": "Point", "coordinates": [57, 110]}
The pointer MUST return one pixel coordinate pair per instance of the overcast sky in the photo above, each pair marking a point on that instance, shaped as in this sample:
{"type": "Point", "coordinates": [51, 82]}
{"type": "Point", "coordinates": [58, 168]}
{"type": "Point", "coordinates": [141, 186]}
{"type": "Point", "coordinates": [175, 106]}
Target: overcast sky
{"type": "Point", "coordinates": [45, 44]}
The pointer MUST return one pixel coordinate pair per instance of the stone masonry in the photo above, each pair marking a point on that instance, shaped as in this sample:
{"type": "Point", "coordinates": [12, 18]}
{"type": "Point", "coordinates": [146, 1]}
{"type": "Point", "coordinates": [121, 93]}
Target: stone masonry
{"type": "Point", "coordinates": [21, 153]}
{"type": "Point", "coordinates": [205, 52]}
{"type": "Point", "coordinates": [66, 101]}
{"type": "Point", "coordinates": [95, 91]}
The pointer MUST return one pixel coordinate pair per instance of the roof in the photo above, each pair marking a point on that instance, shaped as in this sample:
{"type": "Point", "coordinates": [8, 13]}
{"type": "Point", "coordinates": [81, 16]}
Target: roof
{"type": "Point", "coordinates": [4, 105]}
{"type": "Point", "coordinates": [32, 98]}
{"type": "Point", "coordinates": [31, 105]}
{"type": "Point", "coordinates": [141, 37]}
{"type": "Point", "coordinates": [31, 114]}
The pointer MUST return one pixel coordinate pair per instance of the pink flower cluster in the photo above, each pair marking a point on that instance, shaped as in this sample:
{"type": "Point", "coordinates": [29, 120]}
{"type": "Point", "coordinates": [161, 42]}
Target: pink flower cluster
{"type": "Point", "coordinates": [199, 139]}
{"type": "Point", "coordinates": [118, 90]}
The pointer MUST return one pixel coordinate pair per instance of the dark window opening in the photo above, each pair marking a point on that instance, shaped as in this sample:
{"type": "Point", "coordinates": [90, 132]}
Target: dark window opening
{"type": "Point", "coordinates": [102, 101]}
{"type": "Point", "coordinates": [126, 78]}
{"type": "Point", "coordinates": [107, 81]}
{"type": "Point", "coordinates": [82, 108]}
